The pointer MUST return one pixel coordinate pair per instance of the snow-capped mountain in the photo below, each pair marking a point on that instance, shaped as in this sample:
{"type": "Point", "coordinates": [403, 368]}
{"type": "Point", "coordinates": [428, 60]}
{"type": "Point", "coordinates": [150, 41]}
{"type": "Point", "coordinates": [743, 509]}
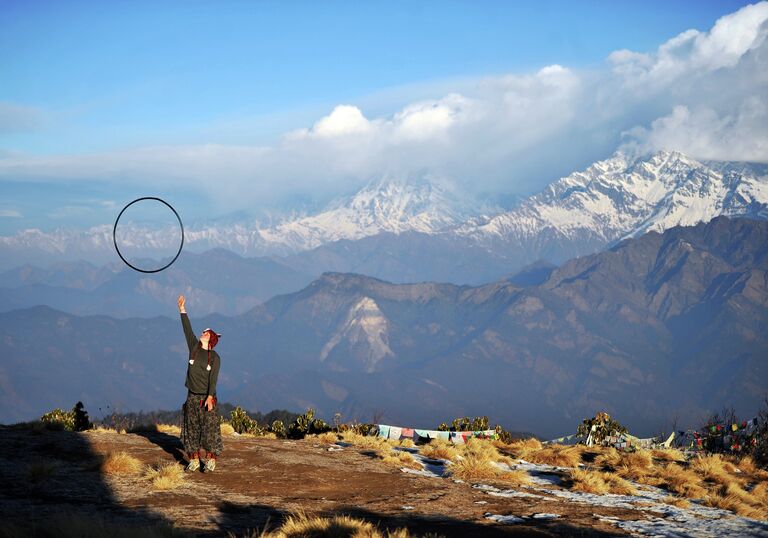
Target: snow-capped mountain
{"type": "Point", "coordinates": [622, 197]}
{"type": "Point", "coordinates": [402, 219]}
{"type": "Point", "coordinates": [395, 205]}
{"type": "Point", "coordinates": [387, 205]}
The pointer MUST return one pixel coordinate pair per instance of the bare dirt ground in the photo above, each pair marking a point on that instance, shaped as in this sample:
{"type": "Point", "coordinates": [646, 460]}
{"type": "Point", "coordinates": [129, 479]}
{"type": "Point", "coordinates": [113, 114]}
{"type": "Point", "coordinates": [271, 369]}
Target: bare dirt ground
{"type": "Point", "coordinates": [256, 484]}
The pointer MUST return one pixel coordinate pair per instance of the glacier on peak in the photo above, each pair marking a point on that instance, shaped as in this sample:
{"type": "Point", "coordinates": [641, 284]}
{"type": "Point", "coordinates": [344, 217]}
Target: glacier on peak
{"type": "Point", "coordinates": [625, 196]}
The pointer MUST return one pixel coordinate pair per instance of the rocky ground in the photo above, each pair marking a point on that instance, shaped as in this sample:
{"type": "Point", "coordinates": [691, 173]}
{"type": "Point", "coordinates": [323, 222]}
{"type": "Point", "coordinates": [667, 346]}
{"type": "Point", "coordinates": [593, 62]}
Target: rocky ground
{"type": "Point", "coordinates": [259, 481]}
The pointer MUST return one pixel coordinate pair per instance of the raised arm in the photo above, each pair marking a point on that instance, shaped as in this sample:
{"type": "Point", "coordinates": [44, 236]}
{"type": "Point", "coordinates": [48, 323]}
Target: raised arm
{"type": "Point", "coordinates": [189, 334]}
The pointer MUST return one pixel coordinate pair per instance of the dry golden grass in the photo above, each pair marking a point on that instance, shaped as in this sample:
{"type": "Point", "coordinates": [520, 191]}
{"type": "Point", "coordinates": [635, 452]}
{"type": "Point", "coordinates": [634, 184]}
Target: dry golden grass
{"type": "Point", "coordinates": [407, 443]}
{"type": "Point", "coordinates": [668, 454]}
{"type": "Point", "coordinates": [40, 470]}
{"type": "Point", "coordinates": [327, 438]}
{"type": "Point", "coordinates": [226, 428]}
{"type": "Point", "coordinates": [760, 493]}
{"type": "Point", "coordinates": [714, 468]}
{"type": "Point", "coordinates": [588, 481]}
{"type": "Point", "coordinates": [170, 429]}
{"type": "Point", "coordinates": [265, 435]}
{"type": "Point", "coordinates": [101, 429]}
{"type": "Point", "coordinates": [472, 468]}
{"type": "Point", "coordinates": [682, 481]}
{"type": "Point", "coordinates": [676, 501]}
{"type": "Point", "coordinates": [165, 476]}
{"type": "Point", "coordinates": [556, 455]}
{"type": "Point", "coordinates": [439, 449]}
{"type": "Point", "coordinates": [301, 525]}
{"type": "Point", "coordinates": [481, 449]}
{"type": "Point", "coordinates": [733, 498]}
{"type": "Point", "coordinates": [363, 441]}
{"type": "Point", "coordinates": [398, 458]}
{"type": "Point", "coordinates": [121, 463]}
{"type": "Point", "coordinates": [599, 482]}
{"type": "Point", "coordinates": [747, 465]}
{"type": "Point", "coordinates": [515, 477]}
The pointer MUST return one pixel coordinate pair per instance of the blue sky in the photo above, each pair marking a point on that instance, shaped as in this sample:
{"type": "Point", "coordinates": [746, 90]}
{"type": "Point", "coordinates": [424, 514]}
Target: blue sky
{"type": "Point", "coordinates": [80, 81]}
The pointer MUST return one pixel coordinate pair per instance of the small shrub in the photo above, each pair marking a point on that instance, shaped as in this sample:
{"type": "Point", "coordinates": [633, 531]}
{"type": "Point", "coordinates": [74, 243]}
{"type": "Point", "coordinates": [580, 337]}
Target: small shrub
{"type": "Point", "coordinates": [278, 428]}
{"type": "Point", "coordinates": [242, 423]}
{"type": "Point", "coordinates": [81, 422]}
{"type": "Point", "coordinates": [59, 419]}
{"type": "Point", "coordinates": [307, 424]}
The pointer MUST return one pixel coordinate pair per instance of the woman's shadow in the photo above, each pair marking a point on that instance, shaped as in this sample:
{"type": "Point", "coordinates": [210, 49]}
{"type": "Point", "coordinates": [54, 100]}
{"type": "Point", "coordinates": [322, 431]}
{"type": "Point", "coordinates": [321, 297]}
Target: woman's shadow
{"type": "Point", "coordinates": [169, 443]}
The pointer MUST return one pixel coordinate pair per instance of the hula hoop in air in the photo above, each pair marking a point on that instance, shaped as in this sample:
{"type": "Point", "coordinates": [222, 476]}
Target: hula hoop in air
{"type": "Point", "coordinates": [114, 235]}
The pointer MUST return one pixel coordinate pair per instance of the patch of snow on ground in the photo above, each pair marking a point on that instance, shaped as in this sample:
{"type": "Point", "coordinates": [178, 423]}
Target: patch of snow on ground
{"type": "Point", "coordinates": [504, 519]}
{"type": "Point", "coordinates": [694, 521]}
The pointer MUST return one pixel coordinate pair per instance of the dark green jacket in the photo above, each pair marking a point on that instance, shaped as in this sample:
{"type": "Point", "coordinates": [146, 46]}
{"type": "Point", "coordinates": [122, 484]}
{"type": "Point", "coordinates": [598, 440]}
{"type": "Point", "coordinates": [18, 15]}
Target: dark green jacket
{"type": "Point", "coordinates": [200, 380]}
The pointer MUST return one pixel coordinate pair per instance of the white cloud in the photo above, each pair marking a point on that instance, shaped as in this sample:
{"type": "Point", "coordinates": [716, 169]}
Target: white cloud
{"type": "Point", "coordinates": [695, 53]}
{"type": "Point", "coordinates": [10, 213]}
{"type": "Point", "coordinates": [344, 120]}
{"type": "Point", "coordinates": [701, 92]}
{"type": "Point", "coordinates": [704, 133]}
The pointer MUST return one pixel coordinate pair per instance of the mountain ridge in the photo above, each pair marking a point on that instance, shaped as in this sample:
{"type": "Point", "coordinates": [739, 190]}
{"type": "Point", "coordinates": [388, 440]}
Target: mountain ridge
{"type": "Point", "coordinates": [619, 331]}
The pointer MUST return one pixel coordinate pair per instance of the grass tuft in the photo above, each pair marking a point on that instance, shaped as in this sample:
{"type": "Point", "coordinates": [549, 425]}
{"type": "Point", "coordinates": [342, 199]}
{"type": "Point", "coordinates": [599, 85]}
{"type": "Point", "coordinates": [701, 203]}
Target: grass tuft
{"type": "Point", "coordinates": [472, 468]}
{"type": "Point", "coordinates": [682, 481]}
{"type": "Point", "coordinates": [327, 438]}
{"type": "Point", "coordinates": [170, 429]}
{"type": "Point", "coordinates": [555, 455]}
{"type": "Point", "coordinates": [165, 476]}
{"type": "Point", "coordinates": [676, 501]}
{"type": "Point", "coordinates": [599, 482]}
{"type": "Point", "coordinates": [668, 454]}
{"type": "Point", "coordinates": [398, 458]}
{"type": "Point", "coordinates": [121, 463]}
{"type": "Point", "coordinates": [363, 441]}
{"type": "Point", "coordinates": [226, 428]}
{"type": "Point", "coordinates": [714, 468]}
{"type": "Point", "coordinates": [439, 449]}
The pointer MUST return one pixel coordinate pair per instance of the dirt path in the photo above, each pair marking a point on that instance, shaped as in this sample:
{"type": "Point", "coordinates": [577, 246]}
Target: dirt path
{"type": "Point", "coordinates": [258, 482]}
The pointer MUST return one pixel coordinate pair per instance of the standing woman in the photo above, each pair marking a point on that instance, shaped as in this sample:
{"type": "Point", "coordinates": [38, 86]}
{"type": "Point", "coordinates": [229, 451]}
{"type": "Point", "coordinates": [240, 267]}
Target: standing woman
{"type": "Point", "coordinates": [201, 430]}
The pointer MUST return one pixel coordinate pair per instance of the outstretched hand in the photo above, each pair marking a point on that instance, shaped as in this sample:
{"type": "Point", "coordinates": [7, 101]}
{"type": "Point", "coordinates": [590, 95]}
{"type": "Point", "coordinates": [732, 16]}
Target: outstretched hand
{"type": "Point", "coordinates": [182, 304]}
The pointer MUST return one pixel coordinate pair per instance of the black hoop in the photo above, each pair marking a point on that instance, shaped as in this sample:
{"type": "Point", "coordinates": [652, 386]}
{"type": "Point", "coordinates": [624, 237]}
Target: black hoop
{"type": "Point", "coordinates": [114, 235]}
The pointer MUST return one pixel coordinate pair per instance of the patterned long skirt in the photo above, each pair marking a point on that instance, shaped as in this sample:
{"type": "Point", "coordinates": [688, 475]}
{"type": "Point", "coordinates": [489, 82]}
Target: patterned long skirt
{"type": "Point", "coordinates": [201, 427]}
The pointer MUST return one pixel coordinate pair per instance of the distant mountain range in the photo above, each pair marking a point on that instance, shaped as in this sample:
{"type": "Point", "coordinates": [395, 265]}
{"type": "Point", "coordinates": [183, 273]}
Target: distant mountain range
{"type": "Point", "coordinates": [660, 327]}
{"type": "Point", "coordinates": [579, 214]}
{"type": "Point", "coordinates": [400, 231]}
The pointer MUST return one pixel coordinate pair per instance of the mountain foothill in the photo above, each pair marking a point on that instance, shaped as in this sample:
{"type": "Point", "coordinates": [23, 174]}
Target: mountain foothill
{"type": "Point", "coordinates": [636, 286]}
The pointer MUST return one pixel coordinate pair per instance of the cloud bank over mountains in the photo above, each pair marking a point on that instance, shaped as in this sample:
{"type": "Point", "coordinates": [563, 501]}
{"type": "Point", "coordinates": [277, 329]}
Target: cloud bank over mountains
{"type": "Point", "coordinates": [701, 92]}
